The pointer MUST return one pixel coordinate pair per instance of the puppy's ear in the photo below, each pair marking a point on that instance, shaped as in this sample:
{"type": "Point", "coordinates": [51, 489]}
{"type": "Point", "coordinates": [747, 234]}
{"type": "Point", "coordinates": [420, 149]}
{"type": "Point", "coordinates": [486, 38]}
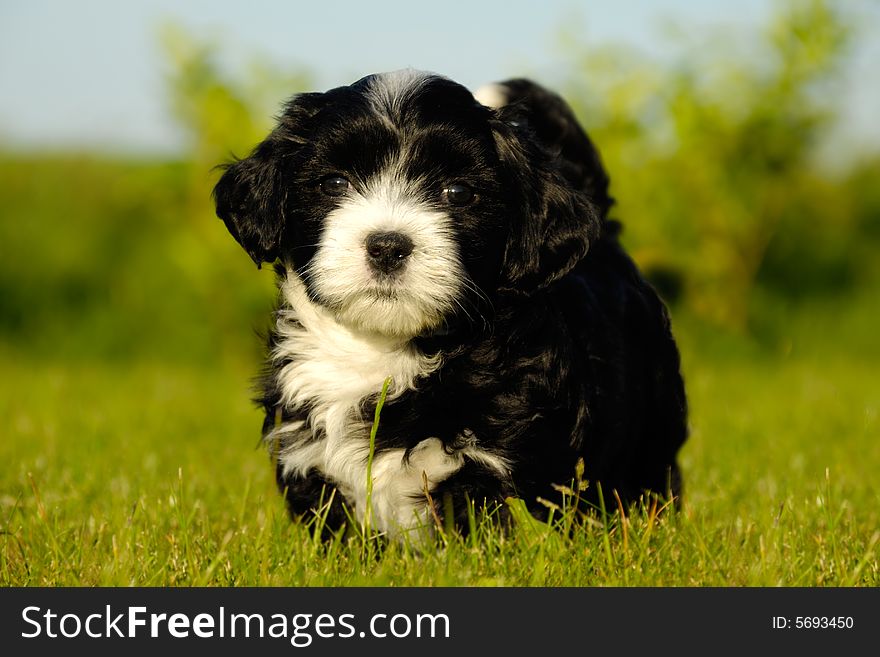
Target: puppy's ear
{"type": "Point", "coordinates": [556, 223]}
{"type": "Point", "coordinates": [251, 195]}
{"type": "Point", "coordinates": [250, 199]}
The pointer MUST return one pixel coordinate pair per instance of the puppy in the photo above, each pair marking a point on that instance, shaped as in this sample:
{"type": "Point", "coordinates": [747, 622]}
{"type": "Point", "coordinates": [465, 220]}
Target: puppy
{"type": "Point", "coordinates": [463, 250]}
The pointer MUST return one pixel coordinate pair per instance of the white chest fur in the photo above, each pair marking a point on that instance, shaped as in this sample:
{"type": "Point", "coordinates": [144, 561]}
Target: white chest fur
{"type": "Point", "coordinates": [331, 369]}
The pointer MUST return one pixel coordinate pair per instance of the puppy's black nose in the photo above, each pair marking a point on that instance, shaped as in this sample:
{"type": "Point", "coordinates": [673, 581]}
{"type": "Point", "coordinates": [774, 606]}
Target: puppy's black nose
{"type": "Point", "coordinates": [387, 251]}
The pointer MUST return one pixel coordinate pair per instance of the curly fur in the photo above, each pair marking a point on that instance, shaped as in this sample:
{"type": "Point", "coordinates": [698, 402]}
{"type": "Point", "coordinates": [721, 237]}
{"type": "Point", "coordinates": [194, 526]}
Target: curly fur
{"type": "Point", "coordinates": [519, 335]}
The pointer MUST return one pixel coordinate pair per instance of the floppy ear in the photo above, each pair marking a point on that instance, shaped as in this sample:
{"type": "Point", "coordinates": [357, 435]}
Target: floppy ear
{"type": "Point", "coordinates": [250, 200]}
{"type": "Point", "coordinates": [251, 195]}
{"type": "Point", "coordinates": [556, 224]}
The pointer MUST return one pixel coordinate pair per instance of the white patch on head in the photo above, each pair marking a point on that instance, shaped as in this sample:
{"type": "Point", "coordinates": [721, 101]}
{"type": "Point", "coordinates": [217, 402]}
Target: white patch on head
{"type": "Point", "coordinates": [331, 369]}
{"type": "Point", "coordinates": [491, 95]}
{"type": "Point", "coordinates": [389, 91]}
{"type": "Point", "coordinates": [413, 299]}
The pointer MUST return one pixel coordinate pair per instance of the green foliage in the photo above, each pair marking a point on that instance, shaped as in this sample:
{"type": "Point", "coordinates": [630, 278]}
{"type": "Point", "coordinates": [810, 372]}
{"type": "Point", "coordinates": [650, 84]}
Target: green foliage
{"type": "Point", "coordinates": [103, 261]}
{"type": "Point", "coordinates": [222, 114]}
{"type": "Point", "coordinates": [713, 159]}
{"type": "Point", "coordinates": [110, 259]}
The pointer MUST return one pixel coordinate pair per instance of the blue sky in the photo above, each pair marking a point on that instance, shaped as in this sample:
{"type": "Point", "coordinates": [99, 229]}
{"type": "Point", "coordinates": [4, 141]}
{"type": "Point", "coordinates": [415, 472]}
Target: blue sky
{"type": "Point", "coordinates": [90, 72]}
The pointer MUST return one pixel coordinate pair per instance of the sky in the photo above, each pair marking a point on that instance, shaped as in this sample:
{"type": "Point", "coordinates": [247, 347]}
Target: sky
{"type": "Point", "coordinates": [90, 73]}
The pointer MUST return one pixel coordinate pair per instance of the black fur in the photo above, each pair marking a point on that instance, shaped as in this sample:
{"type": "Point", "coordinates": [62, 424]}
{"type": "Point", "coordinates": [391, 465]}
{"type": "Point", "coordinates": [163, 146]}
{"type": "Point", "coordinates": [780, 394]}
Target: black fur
{"type": "Point", "coordinates": [567, 355]}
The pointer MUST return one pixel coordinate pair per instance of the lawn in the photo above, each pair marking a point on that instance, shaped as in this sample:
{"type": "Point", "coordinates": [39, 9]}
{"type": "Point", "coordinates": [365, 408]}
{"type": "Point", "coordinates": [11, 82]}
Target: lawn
{"type": "Point", "coordinates": [130, 472]}
{"type": "Point", "coordinates": [131, 454]}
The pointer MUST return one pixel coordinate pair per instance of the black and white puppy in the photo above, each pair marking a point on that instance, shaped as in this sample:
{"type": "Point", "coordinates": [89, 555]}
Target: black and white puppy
{"type": "Point", "coordinates": [461, 248]}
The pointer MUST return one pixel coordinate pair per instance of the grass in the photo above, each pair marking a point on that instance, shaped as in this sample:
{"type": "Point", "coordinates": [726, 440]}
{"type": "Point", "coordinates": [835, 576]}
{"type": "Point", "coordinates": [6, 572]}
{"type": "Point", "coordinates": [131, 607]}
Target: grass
{"type": "Point", "coordinates": [368, 513]}
{"type": "Point", "coordinates": [130, 448]}
{"type": "Point", "coordinates": [149, 473]}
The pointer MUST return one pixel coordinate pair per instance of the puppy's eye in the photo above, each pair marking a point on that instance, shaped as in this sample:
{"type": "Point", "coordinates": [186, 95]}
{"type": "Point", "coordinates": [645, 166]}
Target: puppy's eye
{"type": "Point", "coordinates": [458, 193]}
{"type": "Point", "coordinates": [335, 185]}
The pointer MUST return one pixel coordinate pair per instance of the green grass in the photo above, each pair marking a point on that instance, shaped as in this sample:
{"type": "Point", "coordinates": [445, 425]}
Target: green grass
{"type": "Point", "coordinates": [135, 473]}
{"type": "Point", "coordinates": [130, 448]}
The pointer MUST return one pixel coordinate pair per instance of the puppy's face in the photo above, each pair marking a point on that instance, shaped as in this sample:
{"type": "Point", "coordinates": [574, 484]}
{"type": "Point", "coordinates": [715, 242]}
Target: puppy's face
{"type": "Point", "coordinates": [395, 200]}
{"type": "Point", "coordinates": [402, 203]}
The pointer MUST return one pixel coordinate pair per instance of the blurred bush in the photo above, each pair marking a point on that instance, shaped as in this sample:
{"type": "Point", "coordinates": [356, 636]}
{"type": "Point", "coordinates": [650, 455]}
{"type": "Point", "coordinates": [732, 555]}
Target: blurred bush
{"type": "Point", "coordinates": [109, 258]}
{"type": "Point", "coordinates": [715, 161]}
{"type": "Point", "coordinates": [223, 116]}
